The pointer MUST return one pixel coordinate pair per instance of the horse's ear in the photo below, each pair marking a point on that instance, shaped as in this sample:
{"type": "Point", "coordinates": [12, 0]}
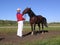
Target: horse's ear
{"type": "Point", "coordinates": [30, 8]}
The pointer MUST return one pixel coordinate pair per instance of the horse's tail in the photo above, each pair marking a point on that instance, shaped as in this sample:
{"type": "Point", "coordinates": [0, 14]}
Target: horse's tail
{"type": "Point", "coordinates": [45, 21]}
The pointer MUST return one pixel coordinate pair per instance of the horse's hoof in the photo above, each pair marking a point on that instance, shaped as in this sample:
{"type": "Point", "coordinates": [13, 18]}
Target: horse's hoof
{"type": "Point", "coordinates": [32, 33]}
{"type": "Point", "coordinates": [42, 32]}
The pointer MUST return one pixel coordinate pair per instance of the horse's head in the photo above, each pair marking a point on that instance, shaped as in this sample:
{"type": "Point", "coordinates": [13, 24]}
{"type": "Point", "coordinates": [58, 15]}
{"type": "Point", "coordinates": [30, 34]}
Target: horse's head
{"type": "Point", "coordinates": [26, 11]}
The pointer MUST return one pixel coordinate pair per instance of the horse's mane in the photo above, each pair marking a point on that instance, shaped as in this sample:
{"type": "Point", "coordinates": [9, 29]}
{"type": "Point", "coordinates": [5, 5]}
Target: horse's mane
{"type": "Point", "coordinates": [32, 13]}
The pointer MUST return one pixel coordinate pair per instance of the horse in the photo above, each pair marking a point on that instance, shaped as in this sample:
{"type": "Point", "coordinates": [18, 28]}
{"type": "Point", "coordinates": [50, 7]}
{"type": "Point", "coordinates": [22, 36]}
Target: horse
{"type": "Point", "coordinates": [34, 19]}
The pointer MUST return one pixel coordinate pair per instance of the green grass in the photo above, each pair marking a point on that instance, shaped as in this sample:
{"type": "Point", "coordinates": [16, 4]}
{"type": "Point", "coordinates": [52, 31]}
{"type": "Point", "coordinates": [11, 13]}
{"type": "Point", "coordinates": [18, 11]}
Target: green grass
{"type": "Point", "coordinates": [52, 41]}
{"type": "Point", "coordinates": [8, 30]}
{"type": "Point", "coordinates": [45, 28]}
{"type": "Point", "coordinates": [26, 29]}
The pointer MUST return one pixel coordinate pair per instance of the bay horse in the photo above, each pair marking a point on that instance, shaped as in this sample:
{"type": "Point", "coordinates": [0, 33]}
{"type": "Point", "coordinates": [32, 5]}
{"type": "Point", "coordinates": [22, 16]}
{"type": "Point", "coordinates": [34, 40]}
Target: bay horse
{"type": "Point", "coordinates": [35, 19]}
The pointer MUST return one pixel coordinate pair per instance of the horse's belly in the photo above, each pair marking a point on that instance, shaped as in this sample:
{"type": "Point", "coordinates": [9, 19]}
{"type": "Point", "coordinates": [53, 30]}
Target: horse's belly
{"type": "Point", "coordinates": [37, 22]}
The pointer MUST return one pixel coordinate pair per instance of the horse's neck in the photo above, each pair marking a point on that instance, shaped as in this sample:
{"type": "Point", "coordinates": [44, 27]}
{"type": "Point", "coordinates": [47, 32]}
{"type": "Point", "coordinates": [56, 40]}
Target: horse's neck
{"type": "Point", "coordinates": [31, 13]}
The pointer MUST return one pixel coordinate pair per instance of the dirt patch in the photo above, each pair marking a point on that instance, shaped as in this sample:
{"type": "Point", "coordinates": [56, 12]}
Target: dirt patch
{"type": "Point", "coordinates": [4, 38]}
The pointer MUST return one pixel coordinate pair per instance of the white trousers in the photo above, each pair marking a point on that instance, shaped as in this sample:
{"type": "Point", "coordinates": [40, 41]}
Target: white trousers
{"type": "Point", "coordinates": [20, 28]}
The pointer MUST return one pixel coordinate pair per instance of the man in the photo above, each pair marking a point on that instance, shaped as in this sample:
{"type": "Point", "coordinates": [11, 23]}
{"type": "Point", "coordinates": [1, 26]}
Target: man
{"type": "Point", "coordinates": [20, 22]}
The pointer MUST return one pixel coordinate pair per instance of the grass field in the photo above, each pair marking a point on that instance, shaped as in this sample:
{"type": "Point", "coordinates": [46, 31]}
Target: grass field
{"type": "Point", "coordinates": [9, 32]}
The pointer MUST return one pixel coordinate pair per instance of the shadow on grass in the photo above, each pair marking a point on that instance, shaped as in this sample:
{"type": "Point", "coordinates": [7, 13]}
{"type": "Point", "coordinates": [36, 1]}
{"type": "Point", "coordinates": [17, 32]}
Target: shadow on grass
{"type": "Point", "coordinates": [1, 38]}
{"type": "Point", "coordinates": [36, 32]}
{"type": "Point", "coordinates": [29, 33]}
{"type": "Point", "coordinates": [44, 31]}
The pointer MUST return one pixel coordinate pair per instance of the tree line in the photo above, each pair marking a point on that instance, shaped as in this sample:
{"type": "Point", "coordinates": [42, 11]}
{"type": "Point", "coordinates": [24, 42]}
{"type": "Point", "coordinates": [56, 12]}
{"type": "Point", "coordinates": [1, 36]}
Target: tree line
{"type": "Point", "coordinates": [10, 23]}
{"type": "Point", "coordinates": [14, 23]}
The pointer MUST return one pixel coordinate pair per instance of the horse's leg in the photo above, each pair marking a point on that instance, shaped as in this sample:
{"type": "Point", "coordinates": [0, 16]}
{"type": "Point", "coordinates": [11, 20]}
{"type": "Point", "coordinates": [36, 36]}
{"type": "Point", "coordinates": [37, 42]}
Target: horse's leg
{"type": "Point", "coordinates": [39, 27]}
{"type": "Point", "coordinates": [32, 29]}
{"type": "Point", "coordinates": [34, 26]}
{"type": "Point", "coordinates": [42, 28]}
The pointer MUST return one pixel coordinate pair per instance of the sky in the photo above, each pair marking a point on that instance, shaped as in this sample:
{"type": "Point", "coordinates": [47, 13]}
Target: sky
{"type": "Point", "coordinates": [47, 8]}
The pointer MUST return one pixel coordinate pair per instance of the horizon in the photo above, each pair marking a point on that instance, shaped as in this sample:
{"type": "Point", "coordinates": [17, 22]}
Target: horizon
{"type": "Point", "coordinates": [28, 21]}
